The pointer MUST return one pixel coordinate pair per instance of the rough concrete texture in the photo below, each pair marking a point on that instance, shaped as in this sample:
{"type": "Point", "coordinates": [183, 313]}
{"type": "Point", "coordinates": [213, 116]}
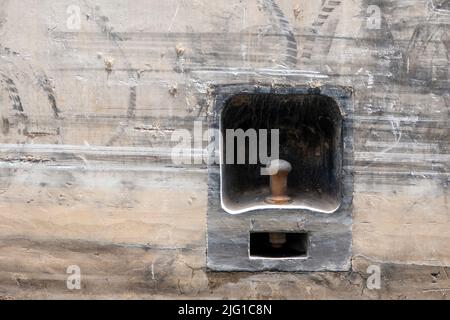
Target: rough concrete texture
{"type": "Point", "coordinates": [88, 107]}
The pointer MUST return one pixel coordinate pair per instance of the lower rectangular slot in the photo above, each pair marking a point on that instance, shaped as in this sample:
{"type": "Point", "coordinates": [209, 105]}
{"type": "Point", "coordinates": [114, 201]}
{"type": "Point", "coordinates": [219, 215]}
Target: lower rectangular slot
{"type": "Point", "coordinates": [278, 245]}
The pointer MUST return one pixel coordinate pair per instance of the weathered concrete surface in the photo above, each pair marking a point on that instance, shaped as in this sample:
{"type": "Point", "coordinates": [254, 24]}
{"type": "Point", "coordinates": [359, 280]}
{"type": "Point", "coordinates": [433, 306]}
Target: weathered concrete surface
{"type": "Point", "coordinates": [86, 175]}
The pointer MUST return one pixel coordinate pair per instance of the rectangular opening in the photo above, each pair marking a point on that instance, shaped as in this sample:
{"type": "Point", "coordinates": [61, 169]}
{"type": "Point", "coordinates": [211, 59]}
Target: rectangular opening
{"type": "Point", "coordinates": [278, 245]}
{"type": "Point", "coordinates": [310, 139]}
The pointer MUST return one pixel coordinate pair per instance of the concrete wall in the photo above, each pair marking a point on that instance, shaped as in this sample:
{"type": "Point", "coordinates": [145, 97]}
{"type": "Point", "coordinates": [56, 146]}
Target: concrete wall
{"type": "Point", "coordinates": [88, 109]}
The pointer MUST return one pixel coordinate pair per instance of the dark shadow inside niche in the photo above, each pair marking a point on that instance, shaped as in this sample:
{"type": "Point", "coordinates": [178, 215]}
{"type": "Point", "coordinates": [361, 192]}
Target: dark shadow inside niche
{"type": "Point", "coordinates": [310, 135]}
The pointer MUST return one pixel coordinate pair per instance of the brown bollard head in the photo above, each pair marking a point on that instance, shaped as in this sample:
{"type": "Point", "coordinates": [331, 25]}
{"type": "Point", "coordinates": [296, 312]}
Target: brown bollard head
{"type": "Point", "coordinates": [279, 171]}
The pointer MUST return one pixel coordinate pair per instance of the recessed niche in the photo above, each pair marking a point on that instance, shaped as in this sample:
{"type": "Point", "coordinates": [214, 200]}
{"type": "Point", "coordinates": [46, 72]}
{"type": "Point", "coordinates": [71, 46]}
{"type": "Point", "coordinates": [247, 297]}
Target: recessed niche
{"type": "Point", "coordinates": [278, 245]}
{"type": "Point", "coordinates": [310, 139]}
{"type": "Point", "coordinates": [442, 5]}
